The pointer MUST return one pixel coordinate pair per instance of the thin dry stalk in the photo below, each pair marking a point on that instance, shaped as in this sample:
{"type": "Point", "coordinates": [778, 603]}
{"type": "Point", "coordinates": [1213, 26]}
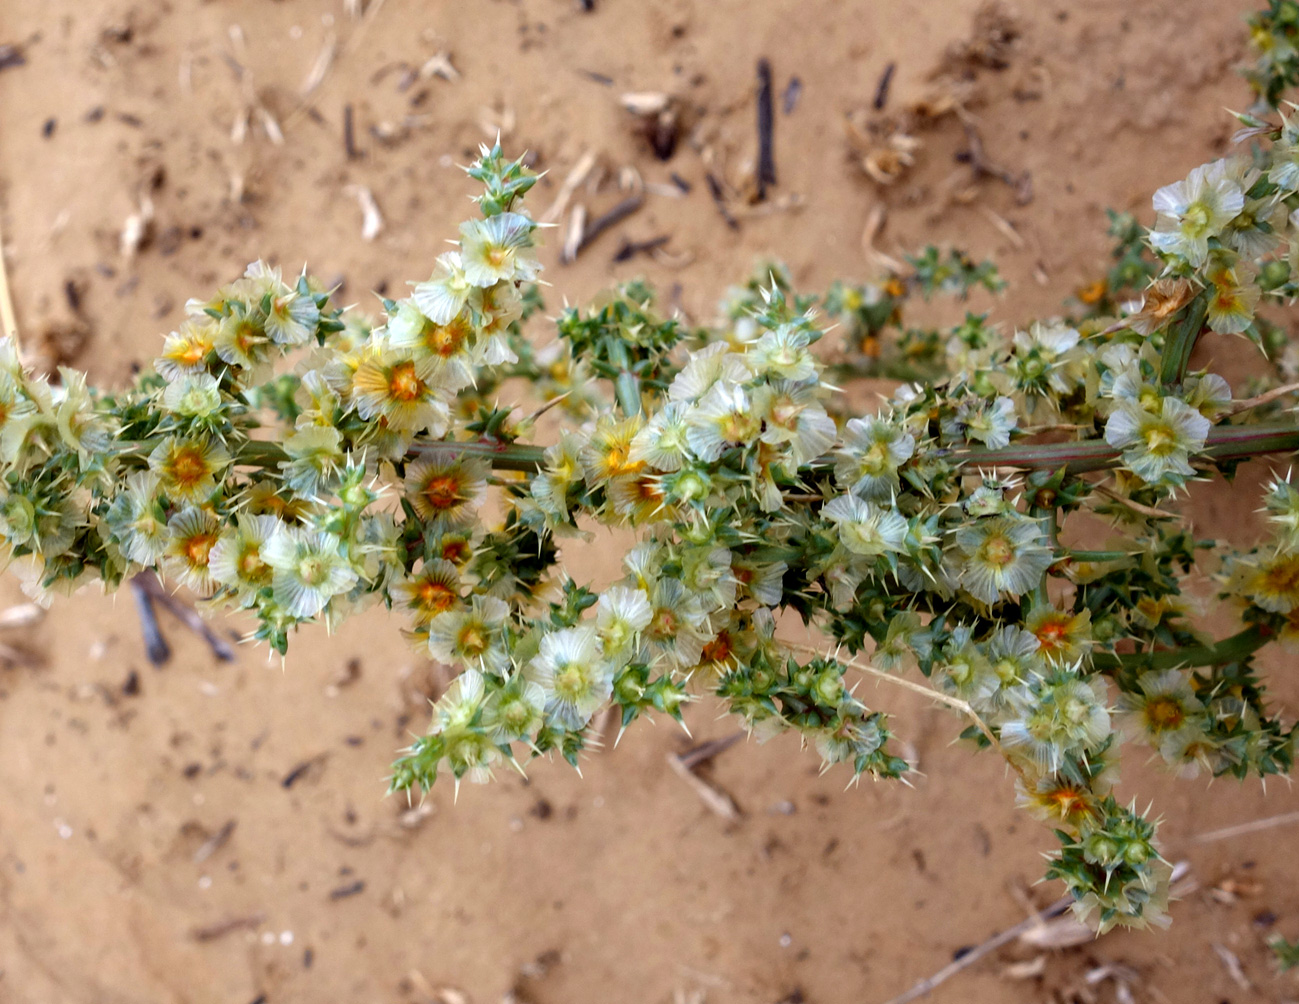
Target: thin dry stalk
{"type": "Point", "coordinates": [1255, 826]}
{"type": "Point", "coordinates": [581, 170]}
{"type": "Point", "coordinates": [714, 798]}
{"type": "Point", "coordinates": [937, 695]}
{"type": "Point", "coordinates": [1267, 397]}
{"type": "Point", "coordinates": [8, 320]}
{"type": "Point", "coordinates": [1005, 937]}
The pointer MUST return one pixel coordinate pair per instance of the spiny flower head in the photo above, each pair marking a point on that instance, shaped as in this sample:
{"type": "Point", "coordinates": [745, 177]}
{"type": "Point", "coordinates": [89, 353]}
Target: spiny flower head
{"type": "Point", "coordinates": [402, 392]}
{"type": "Point", "coordinates": [1004, 555]}
{"type": "Point", "coordinates": [193, 533]}
{"type": "Point", "coordinates": [447, 493]}
{"type": "Point", "coordinates": [188, 468]}
{"type": "Point", "coordinates": [873, 449]}
{"type": "Point", "coordinates": [433, 590]}
{"type": "Point", "coordinates": [236, 560]}
{"type": "Point", "coordinates": [472, 637]}
{"type": "Point", "coordinates": [498, 248]}
{"type": "Point", "coordinates": [308, 569]}
{"type": "Point", "coordinates": [864, 527]}
{"type": "Point", "coordinates": [1163, 702]}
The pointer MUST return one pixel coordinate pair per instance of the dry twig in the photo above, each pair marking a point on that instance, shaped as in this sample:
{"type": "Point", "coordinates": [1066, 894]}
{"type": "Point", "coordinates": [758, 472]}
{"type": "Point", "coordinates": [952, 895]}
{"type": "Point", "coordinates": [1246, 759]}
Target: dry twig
{"type": "Point", "coordinates": [716, 799]}
{"type": "Point", "coordinates": [1285, 819]}
{"type": "Point", "coordinates": [766, 123]}
{"type": "Point", "coordinates": [1005, 937]}
{"type": "Point", "coordinates": [597, 226]}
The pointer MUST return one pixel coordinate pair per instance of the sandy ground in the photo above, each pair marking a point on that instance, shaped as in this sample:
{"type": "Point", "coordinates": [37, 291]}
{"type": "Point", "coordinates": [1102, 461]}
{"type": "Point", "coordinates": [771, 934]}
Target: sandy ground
{"type": "Point", "coordinates": [619, 885]}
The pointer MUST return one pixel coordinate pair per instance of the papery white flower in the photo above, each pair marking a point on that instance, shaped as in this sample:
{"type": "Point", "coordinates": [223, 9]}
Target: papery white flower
{"type": "Point", "coordinates": [723, 418]}
{"type": "Point", "coordinates": [621, 614]}
{"type": "Point", "coordinates": [1195, 210]}
{"type": "Point", "coordinates": [236, 560]}
{"type": "Point", "coordinates": [1157, 446]}
{"type": "Point", "coordinates": [873, 450]}
{"type": "Point", "coordinates": [444, 295]}
{"type": "Point", "coordinates": [714, 362]}
{"type": "Point", "coordinates": [308, 569]}
{"type": "Point", "coordinates": [1004, 555]}
{"type": "Point", "coordinates": [193, 395]}
{"type": "Point", "coordinates": [498, 248]}
{"type": "Point", "coordinates": [663, 443]}
{"type": "Point", "coordinates": [865, 528]}
{"type": "Point", "coordinates": [784, 354]}
{"type": "Point", "coordinates": [572, 672]}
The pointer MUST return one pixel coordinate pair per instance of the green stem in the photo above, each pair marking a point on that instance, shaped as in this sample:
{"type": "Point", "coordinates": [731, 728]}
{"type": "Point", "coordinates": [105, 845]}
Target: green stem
{"type": "Point", "coordinates": [1181, 341]}
{"type": "Point", "coordinates": [263, 453]}
{"type": "Point", "coordinates": [1237, 646]}
{"type": "Point", "coordinates": [1225, 442]}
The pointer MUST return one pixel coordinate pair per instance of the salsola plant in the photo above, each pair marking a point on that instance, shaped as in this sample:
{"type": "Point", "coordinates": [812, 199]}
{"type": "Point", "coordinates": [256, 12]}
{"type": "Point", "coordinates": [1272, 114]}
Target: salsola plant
{"type": "Point", "coordinates": [926, 538]}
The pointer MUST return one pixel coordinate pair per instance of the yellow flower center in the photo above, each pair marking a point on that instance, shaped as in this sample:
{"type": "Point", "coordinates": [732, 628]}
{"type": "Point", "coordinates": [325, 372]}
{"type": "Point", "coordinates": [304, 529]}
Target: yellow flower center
{"type": "Point", "coordinates": [570, 682]}
{"type": "Point", "coordinates": [1164, 713]}
{"type": "Point", "coordinates": [998, 551]}
{"type": "Point", "coordinates": [1282, 578]}
{"type": "Point", "coordinates": [251, 564]}
{"type": "Point", "coordinates": [1160, 440]}
{"type": "Point", "coordinates": [472, 642]}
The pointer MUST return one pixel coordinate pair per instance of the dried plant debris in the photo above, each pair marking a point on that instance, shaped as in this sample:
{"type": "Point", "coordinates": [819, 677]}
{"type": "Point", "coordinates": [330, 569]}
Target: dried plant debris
{"type": "Point", "coordinates": [11, 56]}
{"type": "Point", "coordinates": [658, 120]}
{"type": "Point", "coordinates": [884, 150]}
{"type": "Point", "coordinates": [991, 41]}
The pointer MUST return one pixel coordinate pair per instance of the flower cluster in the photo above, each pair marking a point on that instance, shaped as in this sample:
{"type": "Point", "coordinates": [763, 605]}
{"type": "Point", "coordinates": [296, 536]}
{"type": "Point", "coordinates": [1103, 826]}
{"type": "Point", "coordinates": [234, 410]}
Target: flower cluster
{"type": "Point", "coordinates": [929, 537]}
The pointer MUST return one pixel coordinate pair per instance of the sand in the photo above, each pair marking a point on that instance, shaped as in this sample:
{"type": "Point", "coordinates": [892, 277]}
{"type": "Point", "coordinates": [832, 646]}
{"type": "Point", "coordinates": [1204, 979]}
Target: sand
{"type": "Point", "coordinates": [165, 843]}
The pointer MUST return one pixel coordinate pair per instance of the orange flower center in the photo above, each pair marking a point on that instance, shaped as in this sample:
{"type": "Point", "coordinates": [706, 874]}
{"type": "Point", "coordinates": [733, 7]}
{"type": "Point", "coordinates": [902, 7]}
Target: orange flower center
{"type": "Point", "coordinates": [198, 547]}
{"type": "Point", "coordinates": [1064, 799]}
{"type": "Point", "coordinates": [1282, 577]}
{"type": "Point", "coordinates": [443, 491]}
{"type": "Point", "coordinates": [446, 339]}
{"type": "Point", "coordinates": [188, 466]}
{"type": "Point", "coordinates": [192, 354]}
{"type": "Point", "coordinates": [405, 384]}
{"type": "Point", "coordinates": [1053, 635]}
{"type": "Point", "coordinates": [717, 649]}
{"type": "Point", "coordinates": [436, 596]}
{"type": "Point", "coordinates": [455, 551]}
